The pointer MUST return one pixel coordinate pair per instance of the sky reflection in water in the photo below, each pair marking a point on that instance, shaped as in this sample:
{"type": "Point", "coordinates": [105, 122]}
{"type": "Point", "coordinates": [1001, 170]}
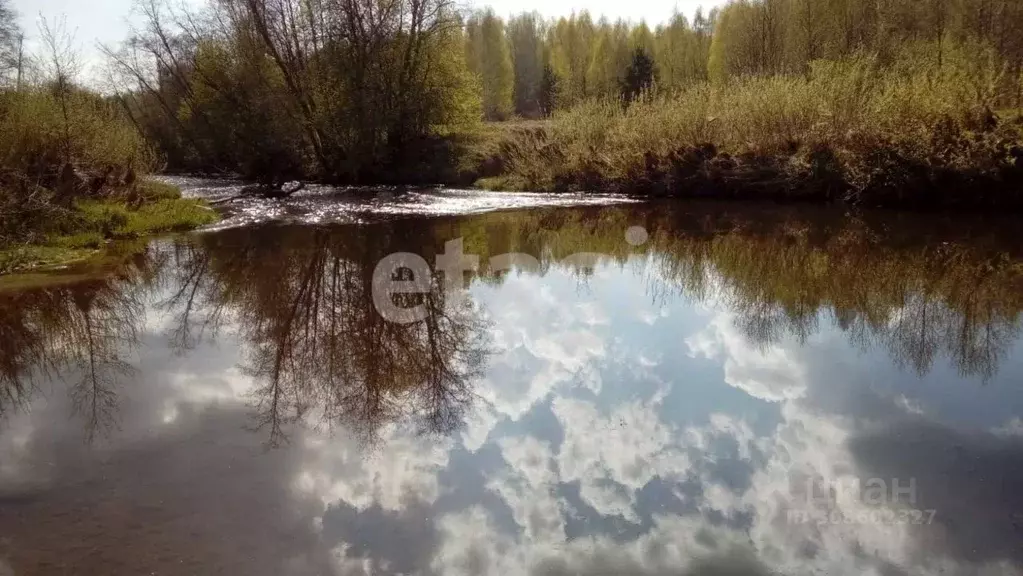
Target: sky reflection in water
{"type": "Point", "coordinates": [232, 402]}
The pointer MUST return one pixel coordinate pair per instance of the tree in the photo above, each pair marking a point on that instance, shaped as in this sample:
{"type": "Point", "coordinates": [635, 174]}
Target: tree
{"type": "Point", "coordinates": [548, 90]}
{"type": "Point", "coordinates": [639, 76]}
{"type": "Point", "coordinates": [489, 58]}
{"type": "Point", "coordinates": [61, 66]}
{"type": "Point", "coordinates": [11, 43]}
{"type": "Point", "coordinates": [681, 51]}
{"type": "Point", "coordinates": [525, 36]}
{"type": "Point", "coordinates": [641, 38]}
{"type": "Point", "coordinates": [343, 91]}
{"type": "Point", "coordinates": [571, 48]}
{"type": "Point", "coordinates": [807, 33]}
{"type": "Point", "coordinates": [602, 76]}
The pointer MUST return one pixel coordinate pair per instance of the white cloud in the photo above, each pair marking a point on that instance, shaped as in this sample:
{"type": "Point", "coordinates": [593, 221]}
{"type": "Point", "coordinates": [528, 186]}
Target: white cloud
{"type": "Point", "coordinates": [1013, 427]}
{"type": "Point", "coordinates": [338, 469]}
{"type": "Point", "coordinates": [527, 484]}
{"type": "Point", "coordinates": [772, 374]}
{"type": "Point", "coordinates": [554, 344]}
{"type": "Point", "coordinates": [628, 446]}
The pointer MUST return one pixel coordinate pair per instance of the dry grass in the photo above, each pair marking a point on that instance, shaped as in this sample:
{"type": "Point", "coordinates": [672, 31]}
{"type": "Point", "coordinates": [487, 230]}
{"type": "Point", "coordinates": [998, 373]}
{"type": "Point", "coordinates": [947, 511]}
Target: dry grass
{"type": "Point", "coordinates": [859, 122]}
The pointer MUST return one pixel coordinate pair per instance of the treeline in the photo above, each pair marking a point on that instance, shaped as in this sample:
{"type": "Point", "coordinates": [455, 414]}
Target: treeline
{"type": "Point", "coordinates": [844, 94]}
{"type": "Point", "coordinates": [529, 66]}
{"type": "Point", "coordinates": [908, 133]}
{"type": "Point", "coordinates": [362, 92]}
{"type": "Point", "coordinates": [279, 90]}
{"type": "Point", "coordinates": [784, 36]}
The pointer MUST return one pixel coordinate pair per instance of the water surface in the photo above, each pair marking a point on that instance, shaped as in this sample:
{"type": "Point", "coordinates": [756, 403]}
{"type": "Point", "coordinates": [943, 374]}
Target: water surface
{"type": "Point", "coordinates": [232, 402]}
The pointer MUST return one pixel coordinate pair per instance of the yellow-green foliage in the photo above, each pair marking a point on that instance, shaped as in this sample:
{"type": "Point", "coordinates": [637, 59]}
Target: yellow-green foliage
{"type": "Point", "coordinates": [489, 59]}
{"type": "Point", "coordinates": [851, 106]}
{"type": "Point", "coordinates": [93, 132]}
{"type": "Point", "coordinates": [49, 217]}
{"type": "Point", "coordinates": [456, 91]}
{"type": "Point", "coordinates": [91, 223]}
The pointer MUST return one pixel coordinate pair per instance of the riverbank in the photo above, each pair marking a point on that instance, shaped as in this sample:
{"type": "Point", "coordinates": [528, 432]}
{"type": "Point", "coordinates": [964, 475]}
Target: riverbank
{"type": "Point", "coordinates": [913, 134]}
{"type": "Point", "coordinates": [74, 176]}
{"type": "Point", "coordinates": [61, 235]}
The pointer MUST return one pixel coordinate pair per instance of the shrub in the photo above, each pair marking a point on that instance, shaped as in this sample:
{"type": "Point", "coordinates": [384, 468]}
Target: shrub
{"type": "Point", "coordinates": [70, 181]}
{"type": "Point", "coordinates": [94, 135]}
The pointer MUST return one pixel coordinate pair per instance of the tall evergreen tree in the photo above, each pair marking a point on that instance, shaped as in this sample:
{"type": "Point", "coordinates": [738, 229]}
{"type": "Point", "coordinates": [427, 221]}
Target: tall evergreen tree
{"type": "Point", "coordinates": [639, 76]}
{"type": "Point", "coordinates": [549, 87]}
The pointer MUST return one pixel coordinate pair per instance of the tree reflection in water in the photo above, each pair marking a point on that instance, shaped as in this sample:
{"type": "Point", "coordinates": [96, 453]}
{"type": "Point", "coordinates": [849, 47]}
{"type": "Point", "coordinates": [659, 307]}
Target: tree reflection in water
{"type": "Point", "coordinates": [303, 307]}
{"type": "Point", "coordinates": [299, 301]}
{"type": "Point", "coordinates": [79, 333]}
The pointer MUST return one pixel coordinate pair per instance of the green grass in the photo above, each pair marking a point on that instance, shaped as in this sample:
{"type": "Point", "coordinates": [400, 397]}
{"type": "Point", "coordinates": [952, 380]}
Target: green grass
{"type": "Point", "coordinates": [34, 257]}
{"type": "Point", "coordinates": [108, 219]}
{"type": "Point", "coordinates": [152, 190]}
{"type": "Point", "coordinates": [43, 133]}
{"type": "Point", "coordinates": [91, 224]}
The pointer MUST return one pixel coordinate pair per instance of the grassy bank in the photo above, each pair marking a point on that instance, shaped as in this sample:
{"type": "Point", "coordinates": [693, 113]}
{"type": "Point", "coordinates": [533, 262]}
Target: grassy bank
{"type": "Point", "coordinates": [73, 177]}
{"type": "Point", "coordinates": [81, 230]}
{"type": "Point", "coordinates": [920, 131]}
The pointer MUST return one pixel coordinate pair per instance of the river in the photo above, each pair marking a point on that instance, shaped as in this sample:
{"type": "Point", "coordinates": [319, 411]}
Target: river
{"type": "Point", "coordinates": [605, 387]}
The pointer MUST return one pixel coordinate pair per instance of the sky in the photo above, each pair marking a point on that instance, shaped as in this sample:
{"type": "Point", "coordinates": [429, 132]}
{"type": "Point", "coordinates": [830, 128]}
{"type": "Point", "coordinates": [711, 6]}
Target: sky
{"type": "Point", "coordinates": [107, 21]}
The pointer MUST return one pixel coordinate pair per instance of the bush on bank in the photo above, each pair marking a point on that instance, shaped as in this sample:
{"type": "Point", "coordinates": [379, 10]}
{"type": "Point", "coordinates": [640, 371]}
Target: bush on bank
{"type": "Point", "coordinates": [73, 175]}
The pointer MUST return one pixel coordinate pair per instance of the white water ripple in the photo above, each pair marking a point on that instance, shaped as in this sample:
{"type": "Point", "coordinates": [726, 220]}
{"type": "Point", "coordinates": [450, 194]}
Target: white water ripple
{"type": "Point", "coordinates": [319, 204]}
